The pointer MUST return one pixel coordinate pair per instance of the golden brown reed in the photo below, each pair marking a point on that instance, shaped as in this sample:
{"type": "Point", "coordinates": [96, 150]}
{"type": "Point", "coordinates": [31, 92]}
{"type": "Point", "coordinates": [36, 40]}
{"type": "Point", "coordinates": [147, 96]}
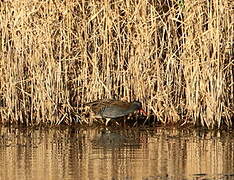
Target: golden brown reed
{"type": "Point", "coordinates": [174, 56]}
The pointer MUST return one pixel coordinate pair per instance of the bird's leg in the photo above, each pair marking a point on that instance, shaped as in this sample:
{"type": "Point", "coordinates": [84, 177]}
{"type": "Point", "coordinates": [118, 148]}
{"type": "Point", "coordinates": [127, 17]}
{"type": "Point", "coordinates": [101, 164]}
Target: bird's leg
{"type": "Point", "coordinates": [107, 120]}
{"type": "Point", "coordinates": [117, 123]}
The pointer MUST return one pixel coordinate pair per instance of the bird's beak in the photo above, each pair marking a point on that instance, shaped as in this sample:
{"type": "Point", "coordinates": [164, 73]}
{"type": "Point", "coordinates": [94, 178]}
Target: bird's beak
{"type": "Point", "coordinates": [143, 112]}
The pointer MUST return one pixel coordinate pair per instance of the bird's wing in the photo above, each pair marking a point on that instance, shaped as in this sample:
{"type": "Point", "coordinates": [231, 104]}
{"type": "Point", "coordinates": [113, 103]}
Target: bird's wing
{"type": "Point", "coordinates": [120, 104]}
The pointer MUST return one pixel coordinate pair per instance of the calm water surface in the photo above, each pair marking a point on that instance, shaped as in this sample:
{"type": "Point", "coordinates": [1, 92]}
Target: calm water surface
{"type": "Point", "coordinates": [128, 154]}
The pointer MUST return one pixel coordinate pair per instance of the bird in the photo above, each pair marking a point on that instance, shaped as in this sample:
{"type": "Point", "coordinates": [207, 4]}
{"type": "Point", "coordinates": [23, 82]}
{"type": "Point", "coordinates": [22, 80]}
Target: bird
{"type": "Point", "coordinates": [111, 109]}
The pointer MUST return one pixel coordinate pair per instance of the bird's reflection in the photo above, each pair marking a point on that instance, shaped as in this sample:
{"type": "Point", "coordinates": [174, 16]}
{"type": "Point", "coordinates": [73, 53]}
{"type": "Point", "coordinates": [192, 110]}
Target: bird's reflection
{"type": "Point", "coordinates": [108, 139]}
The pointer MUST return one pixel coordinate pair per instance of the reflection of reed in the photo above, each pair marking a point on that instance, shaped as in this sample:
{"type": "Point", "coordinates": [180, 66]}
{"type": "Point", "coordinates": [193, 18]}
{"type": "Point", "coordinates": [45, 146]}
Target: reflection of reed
{"type": "Point", "coordinates": [70, 153]}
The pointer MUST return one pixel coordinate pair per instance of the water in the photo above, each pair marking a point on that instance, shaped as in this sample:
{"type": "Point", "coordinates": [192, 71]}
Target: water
{"type": "Point", "coordinates": [127, 154]}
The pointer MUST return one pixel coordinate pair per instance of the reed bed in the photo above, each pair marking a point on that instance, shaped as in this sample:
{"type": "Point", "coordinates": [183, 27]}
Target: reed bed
{"type": "Point", "coordinates": [174, 56]}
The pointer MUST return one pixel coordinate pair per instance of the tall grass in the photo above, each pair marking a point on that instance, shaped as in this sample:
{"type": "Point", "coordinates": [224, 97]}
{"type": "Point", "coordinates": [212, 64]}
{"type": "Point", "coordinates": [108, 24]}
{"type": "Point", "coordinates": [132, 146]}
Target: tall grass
{"type": "Point", "coordinates": [174, 56]}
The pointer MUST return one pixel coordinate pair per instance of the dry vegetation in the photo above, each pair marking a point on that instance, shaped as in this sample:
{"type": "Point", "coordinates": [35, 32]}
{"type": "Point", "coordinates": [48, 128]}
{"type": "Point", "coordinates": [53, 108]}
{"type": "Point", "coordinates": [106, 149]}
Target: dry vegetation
{"type": "Point", "coordinates": [175, 56]}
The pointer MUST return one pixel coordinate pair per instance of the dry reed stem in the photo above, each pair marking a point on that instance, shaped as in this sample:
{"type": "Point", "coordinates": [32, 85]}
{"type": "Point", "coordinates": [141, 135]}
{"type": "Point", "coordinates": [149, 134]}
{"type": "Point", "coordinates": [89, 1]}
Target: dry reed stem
{"type": "Point", "coordinates": [174, 56]}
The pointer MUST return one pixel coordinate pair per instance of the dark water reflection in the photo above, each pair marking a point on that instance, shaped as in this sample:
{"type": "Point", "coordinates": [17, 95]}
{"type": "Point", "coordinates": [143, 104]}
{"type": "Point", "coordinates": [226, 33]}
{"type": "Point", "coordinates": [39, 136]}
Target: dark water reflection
{"type": "Point", "coordinates": [128, 154]}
